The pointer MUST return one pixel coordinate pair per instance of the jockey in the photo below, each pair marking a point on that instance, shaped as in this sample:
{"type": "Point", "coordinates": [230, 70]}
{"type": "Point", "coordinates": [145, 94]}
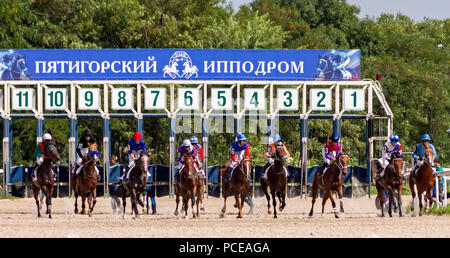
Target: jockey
{"type": "Point", "coordinates": [39, 153]}
{"type": "Point", "coordinates": [83, 150]}
{"type": "Point", "coordinates": [419, 152]}
{"type": "Point", "coordinates": [199, 151]}
{"type": "Point", "coordinates": [271, 151]}
{"type": "Point", "coordinates": [136, 146]}
{"type": "Point", "coordinates": [390, 147]}
{"type": "Point", "coordinates": [185, 149]}
{"type": "Point", "coordinates": [330, 151]}
{"type": "Point", "coordinates": [238, 149]}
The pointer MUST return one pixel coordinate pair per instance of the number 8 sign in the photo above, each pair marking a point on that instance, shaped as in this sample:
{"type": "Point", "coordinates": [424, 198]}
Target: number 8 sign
{"type": "Point", "coordinates": [122, 98]}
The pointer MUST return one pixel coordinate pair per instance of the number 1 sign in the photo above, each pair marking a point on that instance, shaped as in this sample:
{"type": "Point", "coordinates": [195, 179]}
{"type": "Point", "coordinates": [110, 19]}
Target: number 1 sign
{"type": "Point", "coordinates": [354, 99]}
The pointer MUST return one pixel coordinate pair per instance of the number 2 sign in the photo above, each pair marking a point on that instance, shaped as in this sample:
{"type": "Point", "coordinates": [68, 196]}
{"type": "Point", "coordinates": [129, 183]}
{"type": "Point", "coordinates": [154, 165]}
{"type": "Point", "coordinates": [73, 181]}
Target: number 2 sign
{"type": "Point", "coordinates": [320, 99]}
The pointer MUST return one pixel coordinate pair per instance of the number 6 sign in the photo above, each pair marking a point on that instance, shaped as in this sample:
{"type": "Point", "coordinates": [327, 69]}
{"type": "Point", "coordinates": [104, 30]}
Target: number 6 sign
{"type": "Point", "coordinates": [188, 98]}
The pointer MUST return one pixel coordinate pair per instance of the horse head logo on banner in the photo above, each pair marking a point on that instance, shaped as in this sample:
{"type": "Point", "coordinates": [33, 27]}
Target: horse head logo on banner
{"type": "Point", "coordinates": [186, 62]}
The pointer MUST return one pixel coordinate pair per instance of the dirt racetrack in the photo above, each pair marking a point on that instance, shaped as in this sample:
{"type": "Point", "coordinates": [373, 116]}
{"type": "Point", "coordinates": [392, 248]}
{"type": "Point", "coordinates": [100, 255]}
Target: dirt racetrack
{"type": "Point", "coordinates": [361, 219]}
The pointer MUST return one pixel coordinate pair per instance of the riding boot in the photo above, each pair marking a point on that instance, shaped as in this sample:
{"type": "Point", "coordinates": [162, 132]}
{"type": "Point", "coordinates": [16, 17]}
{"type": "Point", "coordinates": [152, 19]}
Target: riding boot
{"type": "Point", "coordinates": [177, 176]}
{"type": "Point", "coordinates": [264, 174]}
{"type": "Point", "coordinates": [228, 177]}
{"type": "Point", "coordinates": [322, 169]}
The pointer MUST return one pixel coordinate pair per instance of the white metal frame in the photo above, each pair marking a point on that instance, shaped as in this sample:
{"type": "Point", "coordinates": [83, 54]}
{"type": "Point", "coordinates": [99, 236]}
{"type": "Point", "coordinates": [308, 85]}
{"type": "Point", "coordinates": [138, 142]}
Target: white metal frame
{"type": "Point", "coordinates": [370, 85]}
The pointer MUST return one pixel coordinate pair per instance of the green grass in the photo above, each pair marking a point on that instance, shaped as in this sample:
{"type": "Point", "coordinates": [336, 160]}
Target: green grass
{"type": "Point", "coordinates": [439, 211]}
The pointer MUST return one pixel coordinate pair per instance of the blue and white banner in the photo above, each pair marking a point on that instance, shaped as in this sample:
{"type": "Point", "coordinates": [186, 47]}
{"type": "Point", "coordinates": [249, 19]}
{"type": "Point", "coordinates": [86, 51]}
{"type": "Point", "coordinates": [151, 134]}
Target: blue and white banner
{"type": "Point", "coordinates": [179, 64]}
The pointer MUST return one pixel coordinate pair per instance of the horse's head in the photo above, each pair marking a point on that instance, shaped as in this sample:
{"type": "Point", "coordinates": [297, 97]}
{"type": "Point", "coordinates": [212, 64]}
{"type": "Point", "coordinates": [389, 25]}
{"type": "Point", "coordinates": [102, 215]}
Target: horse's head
{"type": "Point", "coordinates": [429, 155]}
{"type": "Point", "coordinates": [189, 164]}
{"type": "Point", "coordinates": [246, 166]}
{"type": "Point", "coordinates": [53, 153]}
{"type": "Point", "coordinates": [342, 162]}
{"type": "Point", "coordinates": [142, 161]}
{"type": "Point", "coordinates": [397, 161]}
{"type": "Point", "coordinates": [279, 152]}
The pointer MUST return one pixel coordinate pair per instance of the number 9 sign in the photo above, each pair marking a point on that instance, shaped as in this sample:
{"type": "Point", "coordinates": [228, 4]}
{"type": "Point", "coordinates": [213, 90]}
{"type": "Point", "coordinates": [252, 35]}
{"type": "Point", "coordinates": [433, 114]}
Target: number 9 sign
{"type": "Point", "coordinates": [89, 99]}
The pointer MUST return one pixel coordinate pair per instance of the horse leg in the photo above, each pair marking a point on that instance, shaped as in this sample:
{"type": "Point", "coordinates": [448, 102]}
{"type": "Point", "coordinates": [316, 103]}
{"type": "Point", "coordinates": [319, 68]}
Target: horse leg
{"type": "Point", "coordinates": [420, 197]}
{"type": "Point", "coordinates": [193, 202]}
{"type": "Point", "coordinates": [36, 197]}
{"type": "Point", "coordinates": [391, 197]}
{"type": "Point", "coordinates": [333, 203]}
{"type": "Point", "coordinates": [236, 197]}
{"type": "Point", "coordinates": [274, 203]}
{"type": "Point", "coordinates": [413, 188]}
{"type": "Point", "coordinates": [177, 200]}
{"type": "Point", "coordinates": [89, 199]}
{"type": "Point", "coordinates": [264, 189]}
{"type": "Point", "coordinates": [83, 200]}
{"type": "Point", "coordinates": [315, 190]}
{"type": "Point", "coordinates": [186, 206]}
{"type": "Point", "coordinates": [282, 197]}
{"type": "Point", "coordinates": [243, 197]}
{"type": "Point", "coordinates": [124, 201]}
{"type": "Point", "coordinates": [133, 203]}
{"type": "Point", "coordinates": [94, 197]}
{"type": "Point", "coordinates": [324, 200]}
{"type": "Point", "coordinates": [340, 194]}
{"type": "Point", "coordinates": [399, 191]}
{"type": "Point", "coordinates": [200, 196]}
{"type": "Point", "coordinates": [225, 195]}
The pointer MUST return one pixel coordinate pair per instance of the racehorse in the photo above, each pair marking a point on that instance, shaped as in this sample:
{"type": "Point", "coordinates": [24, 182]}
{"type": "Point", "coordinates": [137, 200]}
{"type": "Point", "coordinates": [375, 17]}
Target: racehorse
{"type": "Point", "coordinates": [331, 181]}
{"type": "Point", "coordinates": [276, 180]}
{"type": "Point", "coordinates": [136, 185]}
{"type": "Point", "coordinates": [392, 181]}
{"type": "Point", "coordinates": [86, 183]}
{"type": "Point", "coordinates": [423, 181]}
{"type": "Point", "coordinates": [187, 187]}
{"type": "Point", "coordinates": [45, 180]}
{"type": "Point", "coordinates": [240, 184]}
{"type": "Point", "coordinates": [17, 71]}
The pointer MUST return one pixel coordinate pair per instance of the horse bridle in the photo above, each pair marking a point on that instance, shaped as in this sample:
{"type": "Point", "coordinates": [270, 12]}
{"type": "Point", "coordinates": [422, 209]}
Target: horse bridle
{"type": "Point", "coordinates": [241, 167]}
{"type": "Point", "coordinates": [339, 164]}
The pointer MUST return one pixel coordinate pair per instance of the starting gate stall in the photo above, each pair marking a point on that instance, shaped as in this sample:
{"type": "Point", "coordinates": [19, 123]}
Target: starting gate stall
{"type": "Point", "coordinates": [131, 83]}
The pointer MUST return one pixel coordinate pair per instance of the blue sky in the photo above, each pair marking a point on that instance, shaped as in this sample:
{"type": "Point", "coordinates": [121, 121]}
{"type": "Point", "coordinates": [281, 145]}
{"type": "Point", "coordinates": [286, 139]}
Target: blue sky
{"type": "Point", "coordinates": [415, 9]}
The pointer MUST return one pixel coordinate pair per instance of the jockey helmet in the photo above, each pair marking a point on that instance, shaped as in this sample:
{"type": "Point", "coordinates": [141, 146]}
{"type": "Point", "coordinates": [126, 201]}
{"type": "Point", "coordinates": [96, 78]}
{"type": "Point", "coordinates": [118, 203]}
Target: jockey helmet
{"type": "Point", "coordinates": [277, 138]}
{"type": "Point", "coordinates": [241, 137]}
{"type": "Point", "coordinates": [334, 138]}
{"type": "Point", "coordinates": [186, 143]}
{"type": "Point", "coordinates": [137, 136]}
{"type": "Point", "coordinates": [426, 137]}
{"type": "Point", "coordinates": [47, 136]}
{"type": "Point", "coordinates": [394, 138]}
{"type": "Point", "coordinates": [194, 139]}
{"type": "Point", "coordinates": [87, 132]}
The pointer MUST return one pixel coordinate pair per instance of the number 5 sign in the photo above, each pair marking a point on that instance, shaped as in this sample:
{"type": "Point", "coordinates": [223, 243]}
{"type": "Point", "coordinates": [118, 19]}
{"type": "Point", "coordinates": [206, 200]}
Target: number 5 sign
{"type": "Point", "coordinates": [221, 99]}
